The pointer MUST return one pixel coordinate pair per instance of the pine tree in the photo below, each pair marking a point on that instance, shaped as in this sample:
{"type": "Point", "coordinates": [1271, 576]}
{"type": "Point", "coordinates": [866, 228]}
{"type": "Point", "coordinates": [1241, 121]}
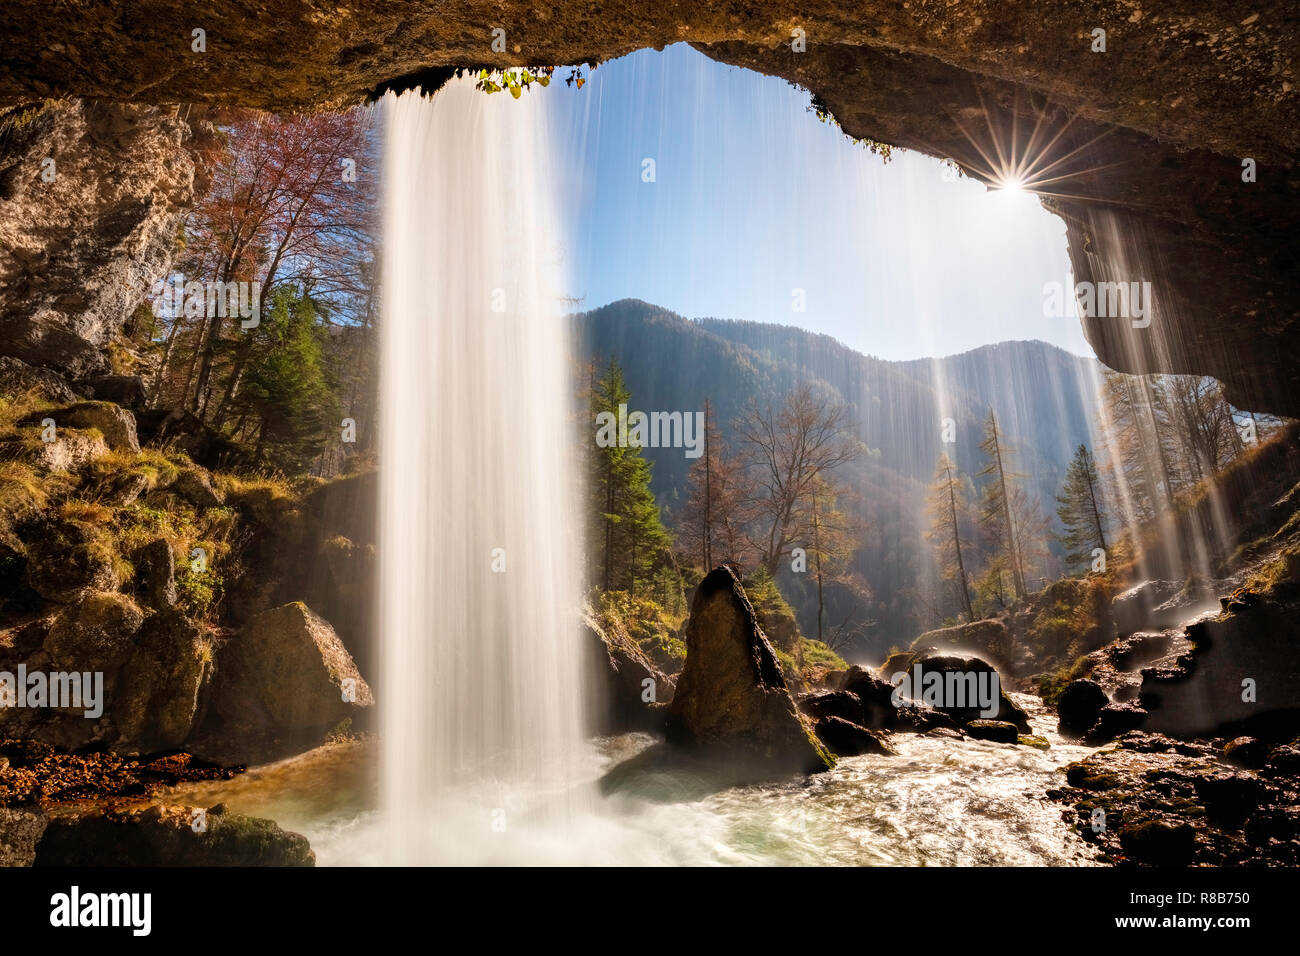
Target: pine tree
{"type": "Point", "coordinates": [947, 507]}
{"type": "Point", "coordinates": [999, 503]}
{"type": "Point", "coordinates": [287, 393]}
{"type": "Point", "coordinates": [1081, 509]}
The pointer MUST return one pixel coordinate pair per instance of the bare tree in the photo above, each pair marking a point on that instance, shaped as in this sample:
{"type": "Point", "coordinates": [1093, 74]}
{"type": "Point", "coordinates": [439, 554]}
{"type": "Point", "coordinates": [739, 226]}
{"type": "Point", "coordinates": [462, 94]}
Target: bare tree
{"type": "Point", "coordinates": [790, 449]}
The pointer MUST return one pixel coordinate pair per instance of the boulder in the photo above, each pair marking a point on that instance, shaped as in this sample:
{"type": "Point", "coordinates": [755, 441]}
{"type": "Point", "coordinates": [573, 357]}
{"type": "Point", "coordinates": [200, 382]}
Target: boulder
{"type": "Point", "coordinates": [999, 731]}
{"type": "Point", "coordinates": [1229, 798]}
{"type": "Point", "coordinates": [159, 691]}
{"type": "Point", "coordinates": [96, 632]}
{"type": "Point", "coordinates": [732, 695]}
{"type": "Point", "coordinates": [624, 701]}
{"type": "Point", "coordinates": [20, 831]}
{"type": "Point", "coordinates": [1284, 760]}
{"type": "Point", "coordinates": [114, 422]}
{"type": "Point", "coordinates": [195, 487]}
{"type": "Point", "coordinates": [842, 704]}
{"type": "Point", "coordinates": [128, 390]}
{"type": "Point", "coordinates": [1238, 679]}
{"type": "Point", "coordinates": [990, 639]}
{"type": "Point", "coordinates": [1115, 720]}
{"type": "Point", "coordinates": [19, 378]}
{"type": "Point", "coordinates": [847, 739]}
{"type": "Point", "coordinates": [155, 573]}
{"type": "Point", "coordinates": [282, 685]}
{"type": "Point", "coordinates": [876, 697]}
{"type": "Point", "coordinates": [1159, 842]}
{"type": "Point", "coordinates": [124, 489]}
{"type": "Point", "coordinates": [1247, 752]}
{"type": "Point", "coordinates": [1134, 609]}
{"type": "Point", "coordinates": [969, 672]}
{"type": "Point", "coordinates": [70, 451]}
{"type": "Point", "coordinates": [166, 836]}
{"type": "Point", "coordinates": [69, 557]}
{"type": "Point", "coordinates": [1078, 706]}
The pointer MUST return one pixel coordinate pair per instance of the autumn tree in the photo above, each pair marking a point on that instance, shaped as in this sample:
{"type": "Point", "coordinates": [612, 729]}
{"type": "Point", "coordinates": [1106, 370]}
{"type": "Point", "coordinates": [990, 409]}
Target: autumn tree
{"type": "Point", "coordinates": [290, 204]}
{"type": "Point", "coordinates": [835, 535]}
{"type": "Point", "coordinates": [712, 522]}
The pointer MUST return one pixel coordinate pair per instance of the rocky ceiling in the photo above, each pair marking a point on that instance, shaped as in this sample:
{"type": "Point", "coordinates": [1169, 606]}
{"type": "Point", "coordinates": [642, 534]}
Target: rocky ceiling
{"type": "Point", "coordinates": [1139, 148]}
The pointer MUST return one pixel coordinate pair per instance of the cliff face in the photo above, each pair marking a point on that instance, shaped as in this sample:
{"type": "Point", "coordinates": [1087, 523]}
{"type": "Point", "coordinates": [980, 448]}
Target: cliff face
{"type": "Point", "coordinates": [91, 197]}
{"type": "Point", "coordinates": [1139, 148]}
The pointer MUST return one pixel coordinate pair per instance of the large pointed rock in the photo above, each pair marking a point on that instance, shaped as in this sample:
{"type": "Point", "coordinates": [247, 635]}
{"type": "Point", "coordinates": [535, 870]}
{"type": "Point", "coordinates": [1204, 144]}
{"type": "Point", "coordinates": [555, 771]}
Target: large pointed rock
{"type": "Point", "coordinates": [732, 697]}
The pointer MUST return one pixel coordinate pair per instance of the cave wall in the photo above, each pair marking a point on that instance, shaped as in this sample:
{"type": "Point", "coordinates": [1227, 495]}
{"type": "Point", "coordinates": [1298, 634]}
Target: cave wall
{"type": "Point", "coordinates": [1144, 141]}
{"type": "Point", "coordinates": [91, 201]}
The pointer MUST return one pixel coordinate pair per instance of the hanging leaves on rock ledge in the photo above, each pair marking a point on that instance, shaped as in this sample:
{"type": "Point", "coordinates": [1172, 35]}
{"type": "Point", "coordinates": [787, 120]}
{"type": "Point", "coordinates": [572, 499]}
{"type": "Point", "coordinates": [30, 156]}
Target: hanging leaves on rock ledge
{"type": "Point", "coordinates": [518, 80]}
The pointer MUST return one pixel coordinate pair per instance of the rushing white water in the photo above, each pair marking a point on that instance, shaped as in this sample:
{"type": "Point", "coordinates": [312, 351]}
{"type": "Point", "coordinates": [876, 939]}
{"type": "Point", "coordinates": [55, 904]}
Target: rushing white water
{"type": "Point", "coordinates": [481, 684]}
{"type": "Point", "coordinates": [938, 802]}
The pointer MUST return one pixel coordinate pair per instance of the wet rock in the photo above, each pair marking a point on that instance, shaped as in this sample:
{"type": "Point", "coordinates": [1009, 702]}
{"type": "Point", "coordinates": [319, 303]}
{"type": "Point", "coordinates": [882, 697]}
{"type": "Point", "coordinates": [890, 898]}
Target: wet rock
{"type": "Point", "coordinates": [1078, 706]}
{"type": "Point", "coordinates": [843, 704]}
{"type": "Point", "coordinates": [1274, 823]}
{"type": "Point", "coordinates": [962, 679]}
{"type": "Point", "coordinates": [999, 731]}
{"type": "Point", "coordinates": [948, 733]}
{"type": "Point", "coordinates": [625, 701]}
{"type": "Point", "coordinates": [159, 690]}
{"type": "Point", "coordinates": [1230, 797]}
{"type": "Point", "coordinates": [1159, 843]}
{"type": "Point", "coordinates": [171, 836]}
{"type": "Point", "coordinates": [989, 639]}
{"type": "Point", "coordinates": [282, 685]}
{"type": "Point", "coordinates": [1037, 741]}
{"type": "Point", "coordinates": [68, 558]}
{"type": "Point", "coordinates": [1285, 759]}
{"type": "Point", "coordinates": [847, 739]}
{"type": "Point", "coordinates": [1114, 720]}
{"type": "Point", "coordinates": [1130, 653]}
{"type": "Point", "coordinates": [731, 695]}
{"type": "Point", "coordinates": [20, 831]}
{"type": "Point", "coordinates": [195, 487]}
{"type": "Point", "coordinates": [94, 633]}
{"type": "Point", "coordinates": [1238, 679]}
{"type": "Point", "coordinates": [876, 697]}
{"type": "Point", "coordinates": [1246, 752]}
{"type": "Point", "coordinates": [1134, 609]}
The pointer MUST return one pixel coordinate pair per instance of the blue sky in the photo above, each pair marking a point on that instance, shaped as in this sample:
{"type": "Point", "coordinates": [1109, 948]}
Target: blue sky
{"type": "Point", "coordinates": [754, 198]}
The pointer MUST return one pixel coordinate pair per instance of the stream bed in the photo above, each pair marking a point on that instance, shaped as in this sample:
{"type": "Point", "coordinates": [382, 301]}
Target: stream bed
{"type": "Point", "coordinates": [938, 802]}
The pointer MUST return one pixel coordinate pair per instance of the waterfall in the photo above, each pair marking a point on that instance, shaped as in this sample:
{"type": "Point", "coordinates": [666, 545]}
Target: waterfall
{"type": "Point", "coordinates": [479, 560]}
